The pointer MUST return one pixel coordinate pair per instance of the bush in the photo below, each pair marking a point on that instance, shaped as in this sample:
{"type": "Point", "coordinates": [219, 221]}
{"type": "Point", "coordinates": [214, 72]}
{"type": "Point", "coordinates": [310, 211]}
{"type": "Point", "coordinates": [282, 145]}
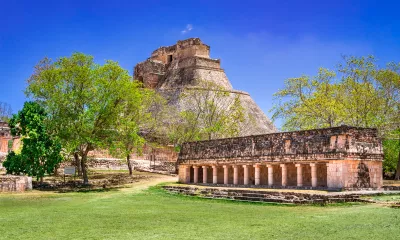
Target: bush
{"type": "Point", "coordinates": [14, 163]}
{"type": "Point", "coordinates": [391, 149]}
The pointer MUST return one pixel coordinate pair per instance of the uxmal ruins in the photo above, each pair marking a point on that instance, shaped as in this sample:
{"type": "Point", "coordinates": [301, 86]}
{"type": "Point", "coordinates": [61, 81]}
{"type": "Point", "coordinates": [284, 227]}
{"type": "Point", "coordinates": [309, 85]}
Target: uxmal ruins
{"type": "Point", "coordinates": [173, 69]}
{"type": "Point", "coordinates": [332, 158]}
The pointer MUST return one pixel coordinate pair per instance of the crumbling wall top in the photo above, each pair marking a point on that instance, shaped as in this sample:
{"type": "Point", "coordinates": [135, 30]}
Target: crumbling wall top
{"type": "Point", "coordinates": [360, 143]}
{"type": "Point", "coordinates": [182, 49]}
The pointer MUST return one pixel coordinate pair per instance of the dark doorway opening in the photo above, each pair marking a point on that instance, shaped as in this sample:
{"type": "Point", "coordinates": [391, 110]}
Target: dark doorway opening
{"type": "Point", "coordinates": [169, 58]}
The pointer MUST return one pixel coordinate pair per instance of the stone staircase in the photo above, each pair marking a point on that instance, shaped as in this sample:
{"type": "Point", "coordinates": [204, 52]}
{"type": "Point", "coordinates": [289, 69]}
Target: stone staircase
{"type": "Point", "coordinates": [265, 196]}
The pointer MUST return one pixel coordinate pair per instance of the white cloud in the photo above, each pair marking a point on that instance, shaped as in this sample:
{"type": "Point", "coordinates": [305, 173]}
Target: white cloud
{"type": "Point", "coordinates": [188, 28]}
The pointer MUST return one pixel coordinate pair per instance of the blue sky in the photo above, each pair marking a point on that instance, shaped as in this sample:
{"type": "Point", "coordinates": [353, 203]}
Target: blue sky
{"type": "Point", "coordinates": [260, 43]}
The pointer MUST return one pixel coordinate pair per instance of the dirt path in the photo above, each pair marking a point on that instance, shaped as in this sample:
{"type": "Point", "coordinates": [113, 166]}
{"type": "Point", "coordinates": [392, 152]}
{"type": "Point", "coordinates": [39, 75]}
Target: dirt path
{"type": "Point", "coordinates": [146, 183]}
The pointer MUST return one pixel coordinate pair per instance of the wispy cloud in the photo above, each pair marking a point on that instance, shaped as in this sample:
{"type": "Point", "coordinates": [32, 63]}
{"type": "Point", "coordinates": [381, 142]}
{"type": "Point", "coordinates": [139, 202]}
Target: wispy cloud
{"type": "Point", "coordinates": [188, 28]}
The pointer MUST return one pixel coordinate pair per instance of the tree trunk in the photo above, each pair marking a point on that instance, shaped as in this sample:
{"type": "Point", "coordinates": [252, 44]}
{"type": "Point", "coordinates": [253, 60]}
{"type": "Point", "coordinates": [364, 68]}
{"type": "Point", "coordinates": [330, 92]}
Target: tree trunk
{"type": "Point", "coordinates": [397, 177]}
{"type": "Point", "coordinates": [151, 159]}
{"type": "Point", "coordinates": [84, 168]}
{"type": "Point", "coordinates": [129, 165]}
{"type": "Point", "coordinates": [77, 164]}
{"type": "Point", "coordinates": [55, 171]}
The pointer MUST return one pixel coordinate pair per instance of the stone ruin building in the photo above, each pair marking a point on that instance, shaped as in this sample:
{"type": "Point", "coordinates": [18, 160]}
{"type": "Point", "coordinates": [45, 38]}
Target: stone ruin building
{"type": "Point", "coordinates": [173, 69]}
{"type": "Point", "coordinates": [5, 137]}
{"type": "Point", "coordinates": [10, 183]}
{"type": "Point", "coordinates": [7, 142]}
{"type": "Point", "coordinates": [332, 158]}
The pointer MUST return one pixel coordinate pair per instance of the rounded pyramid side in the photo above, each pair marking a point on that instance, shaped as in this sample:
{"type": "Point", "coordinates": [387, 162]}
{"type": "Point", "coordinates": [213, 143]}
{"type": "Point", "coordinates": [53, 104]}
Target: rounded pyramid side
{"type": "Point", "coordinates": [259, 122]}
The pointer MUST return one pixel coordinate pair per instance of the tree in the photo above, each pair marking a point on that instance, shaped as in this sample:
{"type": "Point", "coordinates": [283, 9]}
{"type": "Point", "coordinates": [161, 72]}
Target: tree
{"type": "Point", "coordinates": [359, 94]}
{"type": "Point", "coordinates": [307, 103]}
{"type": "Point", "coordinates": [392, 147]}
{"type": "Point", "coordinates": [84, 100]}
{"type": "Point", "coordinates": [208, 112]}
{"type": "Point", "coordinates": [5, 111]}
{"type": "Point", "coordinates": [40, 153]}
{"type": "Point", "coordinates": [389, 87]}
{"type": "Point", "coordinates": [139, 122]}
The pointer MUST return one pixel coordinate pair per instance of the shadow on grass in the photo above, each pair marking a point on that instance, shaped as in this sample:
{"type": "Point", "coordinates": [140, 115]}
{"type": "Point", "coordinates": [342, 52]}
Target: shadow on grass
{"type": "Point", "coordinates": [78, 188]}
{"type": "Point", "coordinates": [89, 190]}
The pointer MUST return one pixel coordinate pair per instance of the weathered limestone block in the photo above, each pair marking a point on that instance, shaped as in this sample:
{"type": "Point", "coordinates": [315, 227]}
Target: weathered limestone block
{"type": "Point", "coordinates": [11, 183]}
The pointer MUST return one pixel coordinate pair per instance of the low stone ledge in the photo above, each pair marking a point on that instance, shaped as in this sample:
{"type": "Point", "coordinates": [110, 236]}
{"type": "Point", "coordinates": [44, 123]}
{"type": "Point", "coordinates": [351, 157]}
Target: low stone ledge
{"type": "Point", "coordinates": [267, 196]}
{"type": "Point", "coordinates": [269, 187]}
{"type": "Point", "coordinates": [11, 183]}
{"type": "Point", "coordinates": [391, 188]}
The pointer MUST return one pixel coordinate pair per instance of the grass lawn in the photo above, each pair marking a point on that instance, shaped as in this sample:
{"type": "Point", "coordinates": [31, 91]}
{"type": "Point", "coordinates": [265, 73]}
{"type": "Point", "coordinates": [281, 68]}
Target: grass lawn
{"type": "Point", "coordinates": [140, 213]}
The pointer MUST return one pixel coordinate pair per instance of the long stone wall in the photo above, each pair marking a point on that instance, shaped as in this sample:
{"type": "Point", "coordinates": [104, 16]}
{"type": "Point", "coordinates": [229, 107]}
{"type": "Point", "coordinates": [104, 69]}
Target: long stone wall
{"type": "Point", "coordinates": [331, 143]}
{"type": "Point", "coordinates": [332, 158]}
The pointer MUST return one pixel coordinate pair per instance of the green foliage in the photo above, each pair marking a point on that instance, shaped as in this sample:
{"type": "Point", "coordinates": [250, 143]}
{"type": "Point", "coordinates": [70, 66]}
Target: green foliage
{"type": "Point", "coordinates": [14, 163]}
{"type": "Point", "coordinates": [10, 144]}
{"type": "Point", "coordinates": [391, 148]}
{"type": "Point", "coordinates": [139, 121]}
{"type": "Point", "coordinates": [359, 94]}
{"type": "Point", "coordinates": [40, 153]}
{"type": "Point", "coordinates": [208, 112]}
{"type": "Point", "coordinates": [307, 103]}
{"type": "Point", "coordinates": [85, 100]}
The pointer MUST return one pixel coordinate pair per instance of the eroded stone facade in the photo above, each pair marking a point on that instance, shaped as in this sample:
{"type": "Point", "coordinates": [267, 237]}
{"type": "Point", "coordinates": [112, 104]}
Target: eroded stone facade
{"type": "Point", "coordinates": [10, 183]}
{"type": "Point", "coordinates": [7, 142]}
{"type": "Point", "coordinates": [173, 69]}
{"type": "Point", "coordinates": [337, 158]}
{"type": "Point", "coordinates": [5, 137]}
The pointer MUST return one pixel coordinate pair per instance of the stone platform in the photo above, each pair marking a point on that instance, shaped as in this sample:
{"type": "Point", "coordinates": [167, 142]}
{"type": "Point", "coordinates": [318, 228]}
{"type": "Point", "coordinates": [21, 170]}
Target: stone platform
{"type": "Point", "coordinates": [11, 183]}
{"type": "Point", "coordinates": [288, 196]}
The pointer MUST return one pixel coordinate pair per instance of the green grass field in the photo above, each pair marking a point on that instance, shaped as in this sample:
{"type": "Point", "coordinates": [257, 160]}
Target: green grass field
{"type": "Point", "coordinates": [141, 213]}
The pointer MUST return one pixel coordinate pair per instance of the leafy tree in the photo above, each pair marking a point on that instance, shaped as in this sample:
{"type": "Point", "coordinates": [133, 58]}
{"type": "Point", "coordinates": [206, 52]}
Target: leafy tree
{"type": "Point", "coordinates": [40, 153]}
{"type": "Point", "coordinates": [139, 122]}
{"type": "Point", "coordinates": [392, 148]}
{"type": "Point", "coordinates": [359, 94]}
{"type": "Point", "coordinates": [5, 111]}
{"type": "Point", "coordinates": [307, 102]}
{"type": "Point", "coordinates": [84, 99]}
{"type": "Point", "coordinates": [208, 112]}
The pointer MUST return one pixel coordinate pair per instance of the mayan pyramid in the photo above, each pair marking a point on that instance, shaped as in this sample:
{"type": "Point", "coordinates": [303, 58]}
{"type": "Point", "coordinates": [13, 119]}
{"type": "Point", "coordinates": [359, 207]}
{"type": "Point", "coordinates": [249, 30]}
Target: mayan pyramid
{"type": "Point", "coordinates": [175, 68]}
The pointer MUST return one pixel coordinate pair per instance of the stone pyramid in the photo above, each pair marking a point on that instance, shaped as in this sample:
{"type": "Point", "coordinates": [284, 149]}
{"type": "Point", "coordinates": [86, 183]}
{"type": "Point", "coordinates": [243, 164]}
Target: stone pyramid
{"type": "Point", "coordinates": [172, 69]}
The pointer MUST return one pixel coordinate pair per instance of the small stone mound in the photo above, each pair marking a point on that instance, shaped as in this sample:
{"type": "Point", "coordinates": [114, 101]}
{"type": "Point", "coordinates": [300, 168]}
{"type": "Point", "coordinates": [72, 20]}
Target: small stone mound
{"type": "Point", "coordinates": [11, 183]}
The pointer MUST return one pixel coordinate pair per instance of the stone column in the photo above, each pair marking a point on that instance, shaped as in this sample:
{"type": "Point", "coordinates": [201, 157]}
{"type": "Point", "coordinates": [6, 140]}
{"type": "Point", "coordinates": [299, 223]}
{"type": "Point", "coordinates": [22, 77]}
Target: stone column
{"type": "Point", "coordinates": [313, 174]}
{"type": "Point", "coordinates": [270, 174]}
{"type": "Point", "coordinates": [215, 174]}
{"type": "Point", "coordinates": [204, 174]}
{"type": "Point", "coordinates": [246, 175]}
{"type": "Point", "coordinates": [187, 174]}
{"type": "Point", "coordinates": [226, 168]}
{"type": "Point", "coordinates": [257, 174]}
{"type": "Point", "coordinates": [284, 175]}
{"type": "Point", "coordinates": [299, 175]}
{"type": "Point", "coordinates": [195, 174]}
{"type": "Point", "coordinates": [235, 175]}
